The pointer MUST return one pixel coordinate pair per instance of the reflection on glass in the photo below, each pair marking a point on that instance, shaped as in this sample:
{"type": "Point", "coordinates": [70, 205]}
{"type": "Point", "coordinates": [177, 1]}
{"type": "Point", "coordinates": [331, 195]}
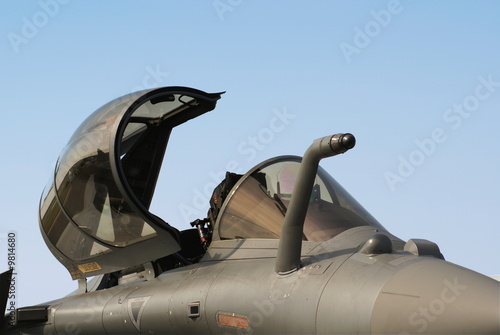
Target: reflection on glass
{"type": "Point", "coordinates": [84, 179]}
{"type": "Point", "coordinates": [63, 235]}
{"type": "Point", "coordinates": [98, 203]}
{"type": "Point", "coordinates": [87, 189]}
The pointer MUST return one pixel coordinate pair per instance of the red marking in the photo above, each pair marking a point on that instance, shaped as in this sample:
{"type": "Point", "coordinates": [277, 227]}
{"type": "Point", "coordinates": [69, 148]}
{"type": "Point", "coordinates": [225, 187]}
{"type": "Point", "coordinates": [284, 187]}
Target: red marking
{"type": "Point", "coordinates": [232, 321]}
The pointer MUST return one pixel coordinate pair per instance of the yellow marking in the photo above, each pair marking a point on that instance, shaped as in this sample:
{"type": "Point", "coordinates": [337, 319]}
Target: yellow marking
{"type": "Point", "coordinates": [89, 267]}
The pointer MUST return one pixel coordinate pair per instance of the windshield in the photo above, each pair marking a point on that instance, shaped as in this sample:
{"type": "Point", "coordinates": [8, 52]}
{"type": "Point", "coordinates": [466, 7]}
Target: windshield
{"type": "Point", "coordinates": [258, 203]}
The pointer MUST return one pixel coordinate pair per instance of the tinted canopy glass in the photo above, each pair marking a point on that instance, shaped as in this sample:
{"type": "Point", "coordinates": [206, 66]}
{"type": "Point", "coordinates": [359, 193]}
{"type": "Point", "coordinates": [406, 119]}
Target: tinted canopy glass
{"type": "Point", "coordinates": [94, 214]}
{"type": "Point", "coordinates": [257, 205]}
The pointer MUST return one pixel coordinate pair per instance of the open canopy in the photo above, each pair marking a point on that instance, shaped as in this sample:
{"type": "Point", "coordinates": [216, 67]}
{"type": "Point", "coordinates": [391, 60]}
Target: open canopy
{"type": "Point", "coordinates": [94, 213]}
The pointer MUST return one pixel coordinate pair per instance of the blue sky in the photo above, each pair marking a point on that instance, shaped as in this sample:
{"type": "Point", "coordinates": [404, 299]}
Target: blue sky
{"type": "Point", "coordinates": [417, 83]}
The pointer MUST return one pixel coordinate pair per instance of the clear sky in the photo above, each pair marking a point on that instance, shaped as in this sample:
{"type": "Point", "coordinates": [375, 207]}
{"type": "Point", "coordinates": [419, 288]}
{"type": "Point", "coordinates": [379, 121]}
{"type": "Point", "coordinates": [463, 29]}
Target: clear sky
{"type": "Point", "coordinates": [417, 83]}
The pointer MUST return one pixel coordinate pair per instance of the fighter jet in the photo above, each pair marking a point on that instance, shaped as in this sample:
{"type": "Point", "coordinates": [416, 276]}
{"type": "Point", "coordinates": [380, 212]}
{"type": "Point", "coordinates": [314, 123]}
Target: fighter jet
{"type": "Point", "coordinates": [284, 249]}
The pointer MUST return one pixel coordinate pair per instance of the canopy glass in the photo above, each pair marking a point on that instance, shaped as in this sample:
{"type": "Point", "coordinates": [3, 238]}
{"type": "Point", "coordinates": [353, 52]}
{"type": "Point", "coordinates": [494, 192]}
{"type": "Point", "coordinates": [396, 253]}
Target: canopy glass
{"type": "Point", "coordinates": [94, 214]}
{"type": "Point", "coordinates": [257, 205]}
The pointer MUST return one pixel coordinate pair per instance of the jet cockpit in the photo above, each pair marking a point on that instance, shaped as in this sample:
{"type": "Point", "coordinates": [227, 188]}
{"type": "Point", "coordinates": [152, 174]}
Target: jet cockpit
{"type": "Point", "coordinates": [94, 214]}
{"type": "Point", "coordinates": [284, 249]}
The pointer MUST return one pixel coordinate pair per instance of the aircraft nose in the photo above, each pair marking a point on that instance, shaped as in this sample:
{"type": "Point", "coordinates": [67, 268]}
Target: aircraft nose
{"type": "Point", "coordinates": [437, 297]}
